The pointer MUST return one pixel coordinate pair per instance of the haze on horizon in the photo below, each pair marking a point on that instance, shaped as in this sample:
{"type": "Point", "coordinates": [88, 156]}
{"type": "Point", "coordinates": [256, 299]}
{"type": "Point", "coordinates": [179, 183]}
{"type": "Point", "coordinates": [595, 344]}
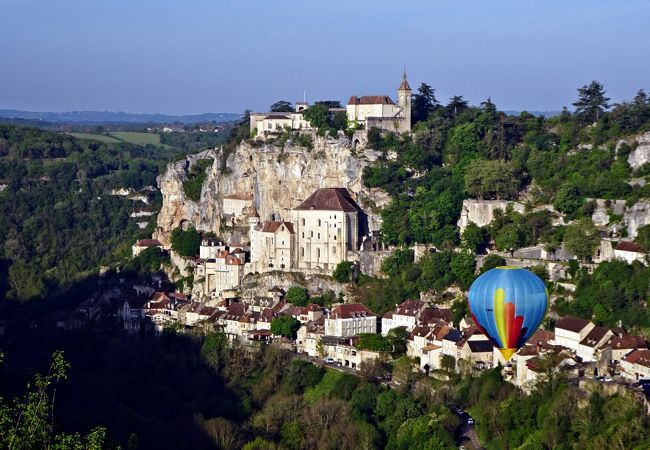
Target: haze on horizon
{"type": "Point", "coordinates": [170, 57]}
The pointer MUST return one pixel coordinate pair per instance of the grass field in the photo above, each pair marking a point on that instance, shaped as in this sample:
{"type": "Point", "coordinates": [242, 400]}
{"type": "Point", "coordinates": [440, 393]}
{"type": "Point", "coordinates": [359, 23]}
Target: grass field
{"type": "Point", "coordinates": [133, 137]}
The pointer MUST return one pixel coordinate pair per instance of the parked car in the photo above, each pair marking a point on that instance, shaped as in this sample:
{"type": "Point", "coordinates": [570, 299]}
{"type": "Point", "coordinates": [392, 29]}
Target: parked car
{"type": "Point", "coordinates": [470, 421]}
{"type": "Point", "coordinates": [328, 360]}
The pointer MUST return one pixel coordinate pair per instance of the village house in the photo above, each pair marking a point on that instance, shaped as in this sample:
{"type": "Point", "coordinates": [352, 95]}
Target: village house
{"type": "Point", "coordinates": [636, 365]}
{"type": "Point", "coordinates": [144, 244]}
{"type": "Point", "coordinates": [263, 124]}
{"type": "Point", "coordinates": [406, 315]}
{"type": "Point", "coordinates": [616, 347]}
{"type": "Point", "coordinates": [629, 252]}
{"type": "Point", "coordinates": [309, 336]}
{"type": "Point", "coordinates": [237, 205]}
{"type": "Point", "coordinates": [571, 331]}
{"type": "Point", "coordinates": [587, 349]}
{"type": "Point", "coordinates": [223, 272]}
{"type": "Point", "coordinates": [163, 308]}
{"type": "Point", "coordinates": [350, 320]}
{"type": "Point", "coordinates": [343, 350]}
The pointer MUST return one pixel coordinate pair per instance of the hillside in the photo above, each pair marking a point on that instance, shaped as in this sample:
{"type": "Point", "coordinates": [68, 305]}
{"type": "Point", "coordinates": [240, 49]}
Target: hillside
{"type": "Point", "coordinates": [108, 117]}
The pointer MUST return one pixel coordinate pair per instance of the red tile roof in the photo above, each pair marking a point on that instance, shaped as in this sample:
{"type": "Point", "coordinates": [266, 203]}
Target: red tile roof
{"type": "Point", "coordinates": [271, 226]}
{"type": "Point", "coordinates": [627, 342]}
{"type": "Point", "coordinates": [239, 196]}
{"type": "Point", "coordinates": [431, 315]}
{"type": "Point", "coordinates": [574, 324]}
{"type": "Point", "coordinates": [641, 357]}
{"type": "Point", "coordinates": [351, 310]}
{"type": "Point", "coordinates": [404, 85]}
{"type": "Point", "coordinates": [594, 337]}
{"type": "Point", "coordinates": [330, 199]}
{"type": "Point", "coordinates": [627, 246]}
{"type": "Point", "coordinates": [409, 308]}
{"type": "Point", "coordinates": [148, 243]}
{"type": "Point", "coordinates": [371, 100]}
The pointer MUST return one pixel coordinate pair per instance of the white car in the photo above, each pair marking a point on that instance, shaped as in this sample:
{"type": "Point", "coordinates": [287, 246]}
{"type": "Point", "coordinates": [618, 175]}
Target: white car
{"type": "Point", "coordinates": [329, 360]}
{"type": "Point", "coordinates": [470, 421]}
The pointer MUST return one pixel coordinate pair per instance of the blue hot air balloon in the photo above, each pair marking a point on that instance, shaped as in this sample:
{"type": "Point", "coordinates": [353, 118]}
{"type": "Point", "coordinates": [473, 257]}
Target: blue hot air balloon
{"type": "Point", "coordinates": [508, 304]}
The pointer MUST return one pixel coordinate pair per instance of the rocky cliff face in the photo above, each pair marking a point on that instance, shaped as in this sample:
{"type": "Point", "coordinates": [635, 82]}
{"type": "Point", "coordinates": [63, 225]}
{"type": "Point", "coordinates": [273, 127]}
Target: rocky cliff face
{"type": "Point", "coordinates": [279, 177]}
{"type": "Point", "coordinates": [641, 154]}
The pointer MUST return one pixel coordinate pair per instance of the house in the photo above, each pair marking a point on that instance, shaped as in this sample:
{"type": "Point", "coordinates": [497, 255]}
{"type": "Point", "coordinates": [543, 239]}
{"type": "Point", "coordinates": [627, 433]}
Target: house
{"type": "Point", "coordinates": [636, 365]}
{"type": "Point", "coordinates": [380, 111]}
{"type": "Point", "coordinates": [272, 246]}
{"type": "Point", "coordinates": [570, 331]}
{"type": "Point", "coordinates": [231, 320]}
{"type": "Point", "coordinates": [350, 320]}
{"type": "Point", "coordinates": [263, 124]}
{"type": "Point", "coordinates": [237, 205]}
{"type": "Point", "coordinates": [629, 252]}
{"type": "Point", "coordinates": [211, 247]}
{"type": "Point", "coordinates": [405, 315]}
{"type": "Point", "coordinates": [479, 352]}
{"type": "Point", "coordinates": [223, 272]}
{"type": "Point", "coordinates": [616, 347]}
{"type": "Point", "coordinates": [344, 351]}
{"type": "Point", "coordinates": [430, 316]}
{"type": "Point", "coordinates": [587, 349]}
{"type": "Point", "coordinates": [173, 129]}
{"type": "Point", "coordinates": [163, 308]}
{"type": "Point", "coordinates": [309, 336]}
{"type": "Point", "coordinates": [144, 244]}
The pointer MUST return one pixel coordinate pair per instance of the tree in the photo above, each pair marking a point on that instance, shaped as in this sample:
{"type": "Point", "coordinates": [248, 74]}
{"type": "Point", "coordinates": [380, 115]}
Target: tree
{"type": "Point", "coordinates": [343, 272]}
{"type": "Point", "coordinates": [591, 102]}
{"type": "Point", "coordinates": [396, 338]}
{"type": "Point", "coordinates": [491, 261]}
{"type": "Point", "coordinates": [286, 326]}
{"type": "Point", "coordinates": [373, 342]}
{"type": "Point", "coordinates": [582, 239]}
{"type": "Point", "coordinates": [424, 103]}
{"type": "Point", "coordinates": [457, 104]}
{"type": "Point", "coordinates": [463, 266]}
{"type": "Point", "coordinates": [281, 106]}
{"type": "Point", "coordinates": [474, 238]}
{"type": "Point", "coordinates": [643, 237]}
{"type": "Point", "coordinates": [329, 104]}
{"type": "Point", "coordinates": [493, 179]}
{"type": "Point", "coordinates": [298, 296]}
{"type": "Point", "coordinates": [318, 116]}
{"type": "Point", "coordinates": [397, 262]}
{"type": "Point", "coordinates": [568, 199]}
{"type": "Point", "coordinates": [185, 242]}
{"type": "Point", "coordinates": [28, 424]}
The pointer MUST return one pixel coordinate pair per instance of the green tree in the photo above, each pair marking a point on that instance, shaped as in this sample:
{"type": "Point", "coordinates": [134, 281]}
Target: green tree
{"type": "Point", "coordinates": [285, 326]}
{"type": "Point", "coordinates": [643, 237]}
{"type": "Point", "coordinates": [282, 106]}
{"type": "Point", "coordinates": [343, 272]}
{"type": "Point", "coordinates": [424, 103]}
{"type": "Point", "coordinates": [318, 116]}
{"type": "Point", "coordinates": [582, 239]}
{"type": "Point", "coordinates": [298, 296]}
{"type": "Point", "coordinates": [568, 199]}
{"type": "Point", "coordinates": [591, 102]}
{"type": "Point", "coordinates": [185, 242]}
{"type": "Point", "coordinates": [491, 261]}
{"type": "Point", "coordinates": [396, 338]}
{"type": "Point", "coordinates": [374, 342]}
{"type": "Point", "coordinates": [491, 179]}
{"type": "Point", "coordinates": [474, 238]}
{"type": "Point", "coordinates": [463, 266]}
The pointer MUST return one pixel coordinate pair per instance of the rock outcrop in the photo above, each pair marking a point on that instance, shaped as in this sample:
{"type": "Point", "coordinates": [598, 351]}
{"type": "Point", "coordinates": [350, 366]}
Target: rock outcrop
{"type": "Point", "coordinates": [636, 216]}
{"type": "Point", "coordinates": [641, 154]}
{"type": "Point", "coordinates": [481, 212]}
{"type": "Point", "coordinates": [279, 177]}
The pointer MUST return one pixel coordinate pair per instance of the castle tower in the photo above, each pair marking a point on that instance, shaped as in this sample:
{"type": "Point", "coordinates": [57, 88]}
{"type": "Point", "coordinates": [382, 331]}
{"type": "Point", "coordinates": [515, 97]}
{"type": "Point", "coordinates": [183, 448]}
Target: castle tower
{"type": "Point", "coordinates": [404, 100]}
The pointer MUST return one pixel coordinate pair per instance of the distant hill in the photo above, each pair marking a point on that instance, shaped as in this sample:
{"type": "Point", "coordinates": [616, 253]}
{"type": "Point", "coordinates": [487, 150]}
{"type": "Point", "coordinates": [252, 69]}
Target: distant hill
{"type": "Point", "coordinates": [535, 113]}
{"type": "Point", "coordinates": [108, 117]}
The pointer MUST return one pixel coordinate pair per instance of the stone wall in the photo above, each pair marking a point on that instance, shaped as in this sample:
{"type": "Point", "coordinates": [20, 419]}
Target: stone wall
{"type": "Point", "coordinates": [259, 284]}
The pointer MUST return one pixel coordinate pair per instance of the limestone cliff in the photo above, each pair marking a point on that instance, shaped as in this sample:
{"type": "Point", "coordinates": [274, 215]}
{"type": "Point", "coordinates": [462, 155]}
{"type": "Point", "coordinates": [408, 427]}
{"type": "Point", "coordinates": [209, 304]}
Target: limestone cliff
{"type": "Point", "coordinates": [279, 177]}
{"type": "Point", "coordinates": [641, 154]}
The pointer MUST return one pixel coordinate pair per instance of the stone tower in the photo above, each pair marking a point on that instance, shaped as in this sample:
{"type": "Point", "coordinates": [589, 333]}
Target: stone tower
{"type": "Point", "coordinates": [404, 100]}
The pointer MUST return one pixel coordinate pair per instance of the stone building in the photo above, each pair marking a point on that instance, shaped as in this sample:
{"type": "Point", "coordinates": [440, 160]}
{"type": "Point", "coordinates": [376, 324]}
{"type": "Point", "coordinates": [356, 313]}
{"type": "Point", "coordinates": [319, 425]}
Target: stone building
{"type": "Point", "coordinates": [350, 319]}
{"type": "Point", "coordinates": [380, 111]}
{"type": "Point", "coordinates": [223, 272]}
{"type": "Point", "coordinates": [323, 229]}
{"type": "Point", "coordinates": [237, 205]}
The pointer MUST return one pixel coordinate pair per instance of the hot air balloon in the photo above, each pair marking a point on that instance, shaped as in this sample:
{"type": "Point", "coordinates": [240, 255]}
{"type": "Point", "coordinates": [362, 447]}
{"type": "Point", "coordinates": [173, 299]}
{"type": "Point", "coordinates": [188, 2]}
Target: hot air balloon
{"type": "Point", "coordinates": [508, 304]}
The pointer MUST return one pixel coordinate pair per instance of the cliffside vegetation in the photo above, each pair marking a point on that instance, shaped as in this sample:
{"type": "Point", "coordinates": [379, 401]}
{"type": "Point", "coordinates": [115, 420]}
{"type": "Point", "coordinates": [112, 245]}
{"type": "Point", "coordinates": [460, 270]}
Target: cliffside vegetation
{"type": "Point", "coordinates": [57, 219]}
{"type": "Point", "coordinates": [458, 150]}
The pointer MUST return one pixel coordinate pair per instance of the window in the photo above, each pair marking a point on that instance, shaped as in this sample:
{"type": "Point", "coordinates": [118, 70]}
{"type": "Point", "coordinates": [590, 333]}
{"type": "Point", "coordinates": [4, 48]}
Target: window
{"type": "Point", "coordinates": [318, 252]}
{"type": "Point", "coordinates": [303, 234]}
{"type": "Point", "coordinates": [303, 221]}
{"type": "Point", "coordinates": [318, 235]}
{"type": "Point", "coordinates": [319, 222]}
{"type": "Point", "coordinates": [302, 251]}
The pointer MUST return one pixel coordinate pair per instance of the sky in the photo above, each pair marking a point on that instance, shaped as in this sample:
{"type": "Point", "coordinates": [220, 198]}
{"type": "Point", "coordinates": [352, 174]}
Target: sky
{"type": "Point", "coordinates": [188, 57]}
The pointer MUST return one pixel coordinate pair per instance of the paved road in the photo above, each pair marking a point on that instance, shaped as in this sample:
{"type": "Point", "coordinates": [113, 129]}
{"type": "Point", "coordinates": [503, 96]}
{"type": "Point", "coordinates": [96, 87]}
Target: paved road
{"type": "Point", "coordinates": [468, 438]}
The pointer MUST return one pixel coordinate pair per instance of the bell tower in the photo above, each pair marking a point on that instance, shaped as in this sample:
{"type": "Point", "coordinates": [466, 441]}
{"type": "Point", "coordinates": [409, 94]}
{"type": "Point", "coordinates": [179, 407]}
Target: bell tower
{"type": "Point", "coordinates": [404, 99]}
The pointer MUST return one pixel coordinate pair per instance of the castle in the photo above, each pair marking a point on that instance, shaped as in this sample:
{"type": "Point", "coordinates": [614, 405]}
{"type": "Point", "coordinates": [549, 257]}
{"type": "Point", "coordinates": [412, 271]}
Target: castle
{"type": "Point", "coordinates": [365, 112]}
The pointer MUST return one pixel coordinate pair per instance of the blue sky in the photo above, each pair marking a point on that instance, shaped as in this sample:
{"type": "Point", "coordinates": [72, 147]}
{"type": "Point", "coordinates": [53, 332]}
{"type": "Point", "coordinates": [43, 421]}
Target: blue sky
{"type": "Point", "coordinates": [227, 55]}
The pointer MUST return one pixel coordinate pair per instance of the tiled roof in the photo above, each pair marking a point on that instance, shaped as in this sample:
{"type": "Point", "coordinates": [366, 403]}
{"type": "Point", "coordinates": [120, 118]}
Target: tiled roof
{"type": "Point", "coordinates": [404, 85]}
{"type": "Point", "coordinates": [453, 335]}
{"type": "Point", "coordinates": [148, 243]}
{"type": "Point", "coordinates": [277, 117]}
{"type": "Point", "coordinates": [330, 199]}
{"type": "Point", "coordinates": [409, 308]}
{"type": "Point", "coordinates": [627, 342]}
{"type": "Point", "coordinates": [627, 246]}
{"type": "Point", "coordinates": [641, 357]}
{"type": "Point", "coordinates": [430, 315]}
{"type": "Point", "coordinates": [371, 100]}
{"type": "Point", "coordinates": [351, 310]}
{"type": "Point", "coordinates": [572, 324]}
{"type": "Point", "coordinates": [480, 346]}
{"type": "Point", "coordinates": [594, 336]}
{"type": "Point", "coordinates": [271, 226]}
{"type": "Point", "coordinates": [239, 196]}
